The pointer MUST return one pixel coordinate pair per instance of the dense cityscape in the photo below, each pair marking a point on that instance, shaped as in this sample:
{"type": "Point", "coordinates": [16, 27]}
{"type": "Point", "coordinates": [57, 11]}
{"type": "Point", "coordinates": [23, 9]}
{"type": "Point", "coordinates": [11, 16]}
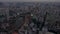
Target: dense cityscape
{"type": "Point", "coordinates": [29, 18]}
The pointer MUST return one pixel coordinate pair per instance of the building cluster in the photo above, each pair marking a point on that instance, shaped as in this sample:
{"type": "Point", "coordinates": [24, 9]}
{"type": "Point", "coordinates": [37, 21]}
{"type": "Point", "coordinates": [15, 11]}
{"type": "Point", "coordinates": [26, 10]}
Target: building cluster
{"type": "Point", "coordinates": [27, 18]}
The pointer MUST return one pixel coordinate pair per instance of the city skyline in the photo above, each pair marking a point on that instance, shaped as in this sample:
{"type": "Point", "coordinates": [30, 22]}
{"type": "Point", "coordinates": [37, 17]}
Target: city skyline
{"type": "Point", "coordinates": [29, 0]}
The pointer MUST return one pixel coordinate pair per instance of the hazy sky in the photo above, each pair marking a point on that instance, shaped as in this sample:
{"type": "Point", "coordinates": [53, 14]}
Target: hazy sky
{"type": "Point", "coordinates": [29, 0]}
